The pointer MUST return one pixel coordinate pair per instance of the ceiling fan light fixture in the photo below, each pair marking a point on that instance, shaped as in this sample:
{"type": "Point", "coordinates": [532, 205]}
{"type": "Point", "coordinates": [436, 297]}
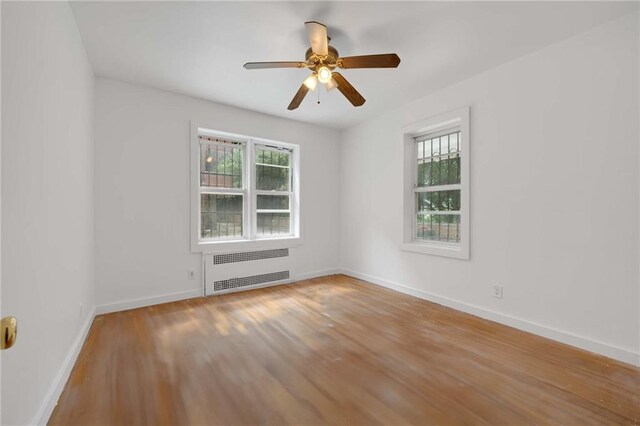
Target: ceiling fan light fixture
{"type": "Point", "coordinates": [331, 84]}
{"type": "Point", "coordinates": [311, 82]}
{"type": "Point", "coordinates": [323, 60]}
{"type": "Point", "coordinates": [324, 75]}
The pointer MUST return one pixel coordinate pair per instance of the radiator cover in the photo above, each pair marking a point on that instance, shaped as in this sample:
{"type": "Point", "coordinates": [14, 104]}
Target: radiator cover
{"type": "Point", "coordinates": [224, 273]}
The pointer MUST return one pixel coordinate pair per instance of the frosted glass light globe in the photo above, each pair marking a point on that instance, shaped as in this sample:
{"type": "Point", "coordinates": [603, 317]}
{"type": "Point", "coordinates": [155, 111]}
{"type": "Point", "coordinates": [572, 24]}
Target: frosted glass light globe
{"type": "Point", "coordinates": [324, 75]}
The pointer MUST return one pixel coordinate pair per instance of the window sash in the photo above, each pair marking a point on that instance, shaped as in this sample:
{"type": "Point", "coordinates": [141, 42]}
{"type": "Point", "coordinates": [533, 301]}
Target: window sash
{"type": "Point", "coordinates": [274, 148]}
{"type": "Point", "coordinates": [438, 188]}
{"type": "Point", "coordinates": [434, 188]}
{"type": "Point", "coordinates": [273, 165]}
{"type": "Point", "coordinates": [255, 165]}
{"type": "Point", "coordinates": [290, 193]}
{"type": "Point", "coordinates": [266, 192]}
{"type": "Point", "coordinates": [438, 158]}
{"type": "Point", "coordinates": [214, 190]}
{"type": "Point", "coordinates": [207, 139]}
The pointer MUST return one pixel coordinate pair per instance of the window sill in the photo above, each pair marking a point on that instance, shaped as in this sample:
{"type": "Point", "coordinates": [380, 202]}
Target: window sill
{"type": "Point", "coordinates": [435, 249]}
{"type": "Point", "coordinates": [219, 247]}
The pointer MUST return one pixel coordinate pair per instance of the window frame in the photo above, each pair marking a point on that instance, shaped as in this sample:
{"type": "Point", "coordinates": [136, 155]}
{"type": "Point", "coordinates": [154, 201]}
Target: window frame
{"type": "Point", "coordinates": [249, 239]}
{"type": "Point", "coordinates": [457, 119]}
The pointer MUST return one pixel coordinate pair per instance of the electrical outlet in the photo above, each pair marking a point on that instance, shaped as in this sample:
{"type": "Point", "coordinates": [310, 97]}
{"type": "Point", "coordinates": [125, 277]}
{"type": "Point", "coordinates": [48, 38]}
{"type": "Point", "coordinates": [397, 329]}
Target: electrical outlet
{"type": "Point", "coordinates": [497, 291]}
{"type": "Point", "coordinates": [191, 275]}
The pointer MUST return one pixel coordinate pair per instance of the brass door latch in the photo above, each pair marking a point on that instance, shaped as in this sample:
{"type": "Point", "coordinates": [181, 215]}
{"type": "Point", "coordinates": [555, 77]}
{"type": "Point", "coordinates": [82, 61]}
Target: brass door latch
{"type": "Point", "coordinates": [9, 329]}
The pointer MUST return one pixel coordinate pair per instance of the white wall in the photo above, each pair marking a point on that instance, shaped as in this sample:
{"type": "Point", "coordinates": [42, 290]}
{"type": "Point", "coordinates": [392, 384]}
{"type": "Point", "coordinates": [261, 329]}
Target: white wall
{"type": "Point", "coordinates": [554, 194]}
{"type": "Point", "coordinates": [142, 162]}
{"type": "Point", "coordinates": [47, 199]}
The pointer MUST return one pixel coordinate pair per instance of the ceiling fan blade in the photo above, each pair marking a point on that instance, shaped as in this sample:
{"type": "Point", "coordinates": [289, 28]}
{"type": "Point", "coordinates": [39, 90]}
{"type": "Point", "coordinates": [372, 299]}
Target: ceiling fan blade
{"type": "Point", "coordinates": [385, 60]}
{"type": "Point", "coordinates": [348, 90]}
{"type": "Point", "coordinates": [297, 99]}
{"type": "Point", "coordinates": [263, 65]}
{"type": "Point", "coordinates": [317, 37]}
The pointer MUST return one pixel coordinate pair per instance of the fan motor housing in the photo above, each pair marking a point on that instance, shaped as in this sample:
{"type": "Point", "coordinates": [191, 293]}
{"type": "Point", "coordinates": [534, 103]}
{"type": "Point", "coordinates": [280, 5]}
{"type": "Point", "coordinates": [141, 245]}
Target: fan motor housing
{"type": "Point", "coordinates": [330, 60]}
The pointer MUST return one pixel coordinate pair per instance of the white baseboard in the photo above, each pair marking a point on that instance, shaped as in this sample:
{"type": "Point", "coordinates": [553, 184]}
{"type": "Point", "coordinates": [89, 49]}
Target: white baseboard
{"type": "Point", "coordinates": [56, 388]}
{"type": "Point", "coordinates": [316, 274]}
{"type": "Point", "coordinates": [147, 301]}
{"type": "Point", "coordinates": [581, 342]}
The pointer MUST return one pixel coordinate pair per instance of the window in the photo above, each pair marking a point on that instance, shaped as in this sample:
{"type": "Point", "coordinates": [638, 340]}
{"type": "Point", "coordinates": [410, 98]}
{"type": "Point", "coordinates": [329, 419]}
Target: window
{"type": "Point", "coordinates": [273, 191]}
{"type": "Point", "coordinates": [437, 189]}
{"type": "Point", "coordinates": [245, 191]}
{"type": "Point", "coordinates": [436, 186]}
{"type": "Point", "coordinates": [222, 188]}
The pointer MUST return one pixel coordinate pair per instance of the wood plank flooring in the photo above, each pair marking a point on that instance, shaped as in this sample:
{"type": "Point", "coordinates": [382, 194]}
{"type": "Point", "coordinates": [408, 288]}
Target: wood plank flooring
{"type": "Point", "coordinates": [334, 350]}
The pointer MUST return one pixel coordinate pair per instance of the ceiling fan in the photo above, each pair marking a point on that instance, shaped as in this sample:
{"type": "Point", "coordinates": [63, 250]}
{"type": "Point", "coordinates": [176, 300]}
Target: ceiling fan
{"type": "Point", "coordinates": [322, 59]}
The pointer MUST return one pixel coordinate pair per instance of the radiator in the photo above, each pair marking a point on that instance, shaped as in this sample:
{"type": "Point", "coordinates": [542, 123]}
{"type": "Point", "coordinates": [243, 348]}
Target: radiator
{"type": "Point", "coordinates": [224, 273]}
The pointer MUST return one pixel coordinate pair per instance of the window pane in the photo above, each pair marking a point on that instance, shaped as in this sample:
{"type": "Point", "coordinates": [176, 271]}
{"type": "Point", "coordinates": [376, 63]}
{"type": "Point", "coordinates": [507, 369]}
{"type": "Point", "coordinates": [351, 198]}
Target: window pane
{"type": "Point", "coordinates": [444, 144]}
{"type": "Point", "coordinates": [453, 142]}
{"type": "Point", "coordinates": [269, 178]}
{"type": "Point", "coordinates": [272, 170]}
{"type": "Point", "coordinates": [439, 160]}
{"type": "Point", "coordinates": [221, 165]}
{"type": "Point", "coordinates": [221, 215]}
{"type": "Point", "coordinates": [438, 227]}
{"type": "Point", "coordinates": [438, 201]}
{"type": "Point", "coordinates": [273, 224]}
{"type": "Point", "coordinates": [273, 202]}
{"type": "Point", "coordinates": [439, 171]}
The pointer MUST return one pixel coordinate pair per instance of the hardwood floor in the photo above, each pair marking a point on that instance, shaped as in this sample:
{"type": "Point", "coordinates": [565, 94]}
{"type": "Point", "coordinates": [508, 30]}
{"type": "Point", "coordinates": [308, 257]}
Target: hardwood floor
{"type": "Point", "coordinates": [333, 350]}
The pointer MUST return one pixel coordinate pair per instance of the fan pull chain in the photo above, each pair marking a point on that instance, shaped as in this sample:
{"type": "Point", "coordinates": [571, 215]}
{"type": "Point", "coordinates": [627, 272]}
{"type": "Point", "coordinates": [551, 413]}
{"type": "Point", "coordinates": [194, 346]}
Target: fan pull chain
{"type": "Point", "coordinates": [318, 96]}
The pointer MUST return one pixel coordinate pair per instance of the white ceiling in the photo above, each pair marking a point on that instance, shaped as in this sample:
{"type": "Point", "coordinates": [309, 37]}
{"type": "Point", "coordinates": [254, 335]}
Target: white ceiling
{"type": "Point", "coordinates": [198, 48]}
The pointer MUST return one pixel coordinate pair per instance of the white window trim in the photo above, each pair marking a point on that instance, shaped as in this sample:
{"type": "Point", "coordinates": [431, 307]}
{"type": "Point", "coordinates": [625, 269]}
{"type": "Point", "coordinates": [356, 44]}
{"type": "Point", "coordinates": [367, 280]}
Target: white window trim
{"type": "Point", "coordinates": [249, 241]}
{"type": "Point", "coordinates": [458, 118]}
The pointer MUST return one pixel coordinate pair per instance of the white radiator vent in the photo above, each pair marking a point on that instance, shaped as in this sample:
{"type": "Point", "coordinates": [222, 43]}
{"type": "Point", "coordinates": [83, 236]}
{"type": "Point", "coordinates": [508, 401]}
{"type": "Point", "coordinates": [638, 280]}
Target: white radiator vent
{"type": "Point", "coordinates": [221, 259]}
{"type": "Point", "coordinates": [225, 273]}
{"type": "Point", "coordinates": [250, 281]}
